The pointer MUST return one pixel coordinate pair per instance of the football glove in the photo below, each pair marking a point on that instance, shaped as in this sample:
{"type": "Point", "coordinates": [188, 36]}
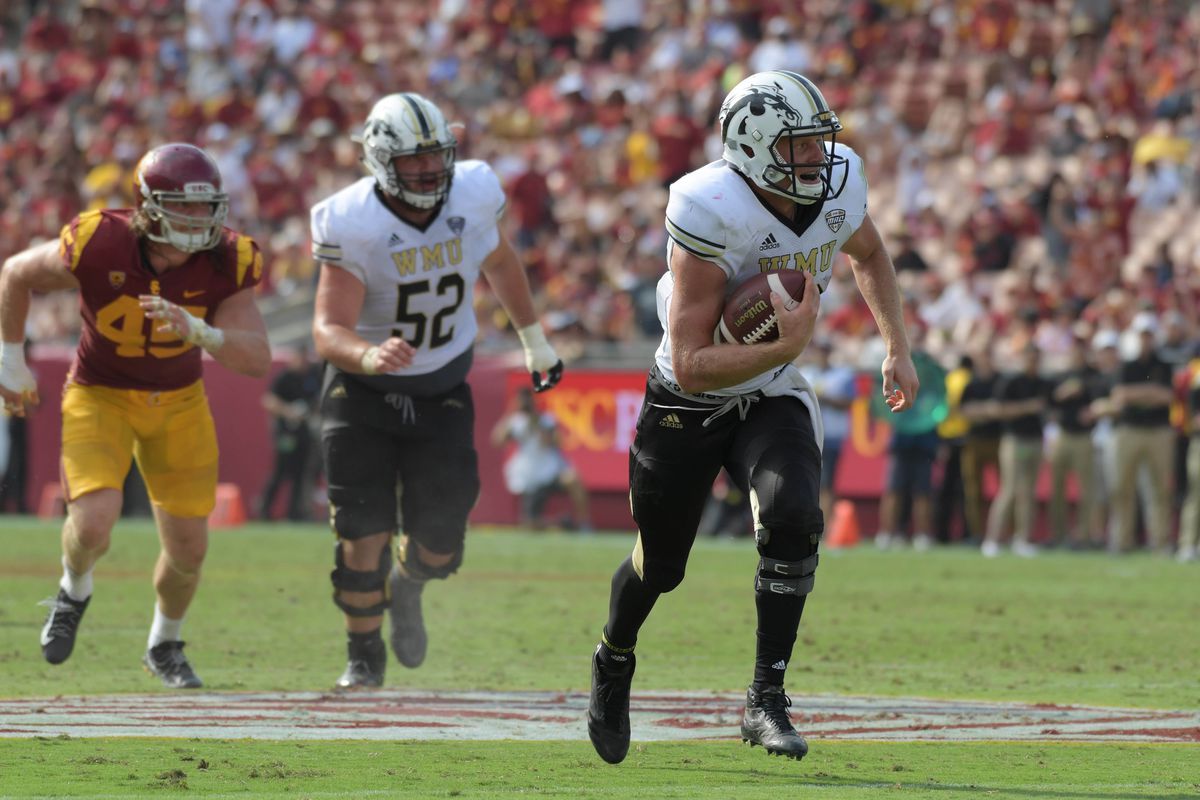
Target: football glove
{"type": "Point", "coordinates": [544, 365]}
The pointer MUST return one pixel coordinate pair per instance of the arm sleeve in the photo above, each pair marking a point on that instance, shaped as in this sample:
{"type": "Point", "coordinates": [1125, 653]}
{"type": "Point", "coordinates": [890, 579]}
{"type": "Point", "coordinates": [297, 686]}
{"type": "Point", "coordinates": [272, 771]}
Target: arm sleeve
{"type": "Point", "coordinates": [249, 263]}
{"type": "Point", "coordinates": [327, 244]}
{"type": "Point", "coordinates": [75, 236]}
{"type": "Point", "coordinates": [698, 230]}
{"type": "Point", "coordinates": [484, 186]}
{"type": "Point", "coordinates": [856, 187]}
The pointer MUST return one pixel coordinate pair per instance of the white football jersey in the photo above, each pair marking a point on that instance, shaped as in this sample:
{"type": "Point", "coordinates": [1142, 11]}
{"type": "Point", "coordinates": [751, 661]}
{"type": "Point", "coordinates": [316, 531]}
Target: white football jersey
{"type": "Point", "coordinates": [715, 215]}
{"type": "Point", "coordinates": [420, 283]}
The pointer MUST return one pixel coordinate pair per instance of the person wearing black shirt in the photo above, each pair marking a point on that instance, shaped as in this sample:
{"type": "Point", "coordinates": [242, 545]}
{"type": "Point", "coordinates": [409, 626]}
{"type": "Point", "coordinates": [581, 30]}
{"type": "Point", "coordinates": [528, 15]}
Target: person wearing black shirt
{"type": "Point", "coordinates": [1144, 439]}
{"type": "Point", "coordinates": [291, 401]}
{"type": "Point", "coordinates": [1019, 403]}
{"type": "Point", "coordinates": [1189, 521]}
{"type": "Point", "coordinates": [981, 446]}
{"type": "Point", "coordinates": [1071, 396]}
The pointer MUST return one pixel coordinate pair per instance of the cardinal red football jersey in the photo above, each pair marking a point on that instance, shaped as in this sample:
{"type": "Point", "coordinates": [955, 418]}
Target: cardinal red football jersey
{"type": "Point", "coordinates": [119, 346]}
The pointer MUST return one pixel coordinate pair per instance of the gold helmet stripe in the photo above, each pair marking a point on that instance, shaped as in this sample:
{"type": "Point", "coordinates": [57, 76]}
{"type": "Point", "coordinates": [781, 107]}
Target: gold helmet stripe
{"type": "Point", "coordinates": [815, 108]}
{"type": "Point", "coordinates": [426, 133]}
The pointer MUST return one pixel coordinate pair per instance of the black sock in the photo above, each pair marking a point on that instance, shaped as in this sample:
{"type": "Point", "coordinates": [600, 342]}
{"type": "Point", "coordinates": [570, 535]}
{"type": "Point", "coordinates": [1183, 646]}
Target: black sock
{"type": "Point", "coordinates": [778, 620]}
{"type": "Point", "coordinates": [628, 607]}
{"type": "Point", "coordinates": [363, 645]}
{"type": "Point", "coordinates": [614, 658]}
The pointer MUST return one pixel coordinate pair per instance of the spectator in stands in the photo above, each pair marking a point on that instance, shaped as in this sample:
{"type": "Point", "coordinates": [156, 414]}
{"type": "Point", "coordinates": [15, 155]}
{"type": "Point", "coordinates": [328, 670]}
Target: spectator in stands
{"type": "Point", "coordinates": [79, 85]}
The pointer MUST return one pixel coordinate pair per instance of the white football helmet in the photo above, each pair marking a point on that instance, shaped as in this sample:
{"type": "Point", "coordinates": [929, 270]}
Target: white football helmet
{"type": "Point", "coordinates": [402, 125]}
{"type": "Point", "coordinates": [767, 107]}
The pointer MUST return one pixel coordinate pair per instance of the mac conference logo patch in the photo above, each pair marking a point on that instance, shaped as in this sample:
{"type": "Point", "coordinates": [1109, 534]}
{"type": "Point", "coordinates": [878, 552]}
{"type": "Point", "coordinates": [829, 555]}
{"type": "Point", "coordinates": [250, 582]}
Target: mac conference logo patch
{"type": "Point", "coordinates": [456, 225]}
{"type": "Point", "coordinates": [834, 219]}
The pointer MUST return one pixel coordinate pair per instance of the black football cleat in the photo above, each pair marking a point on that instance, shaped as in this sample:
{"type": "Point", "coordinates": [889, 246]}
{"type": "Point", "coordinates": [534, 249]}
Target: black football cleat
{"type": "Point", "coordinates": [62, 623]}
{"type": "Point", "coordinates": [408, 626]}
{"type": "Point", "coordinates": [766, 722]}
{"type": "Point", "coordinates": [608, 709]}
{"type": "Point", "coordinates": [366, 666]}
{"type": "Point", "coordinates": [167, 662]}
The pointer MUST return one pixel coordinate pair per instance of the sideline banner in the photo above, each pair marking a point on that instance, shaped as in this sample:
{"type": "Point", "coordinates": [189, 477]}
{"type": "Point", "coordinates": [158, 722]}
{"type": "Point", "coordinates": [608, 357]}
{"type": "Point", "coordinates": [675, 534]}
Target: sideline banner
{"type": "Point", "coordinates": [597, 413]}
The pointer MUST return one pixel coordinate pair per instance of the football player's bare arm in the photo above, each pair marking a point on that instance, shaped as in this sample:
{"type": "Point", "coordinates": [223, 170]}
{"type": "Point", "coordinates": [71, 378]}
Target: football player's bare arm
{"type": "Point", "coordinates": [339, 301]}
{"type": "Point", "coordinates": [245, 349]}
{"type": "Point", "coordinates": [506, 275]}
{"type": "Point", "coordinates": [237, 339]}
{"type": "Point", "coordinates": [696, 304]}
{"type": "Point", "coordinates": [876, 278]}
{"type": "Point", "coordinates": [38, 269]}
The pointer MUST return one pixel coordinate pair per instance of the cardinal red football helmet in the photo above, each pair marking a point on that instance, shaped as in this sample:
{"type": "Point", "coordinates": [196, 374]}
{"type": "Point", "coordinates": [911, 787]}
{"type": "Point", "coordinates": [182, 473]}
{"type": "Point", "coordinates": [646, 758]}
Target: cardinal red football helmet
{"type": "Point", "coordinates": [174, 174]}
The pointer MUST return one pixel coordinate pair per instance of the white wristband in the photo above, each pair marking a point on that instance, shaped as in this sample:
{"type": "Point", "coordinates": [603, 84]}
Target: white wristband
{"type": "Point", "coordinates": [12, 355]}
{"type": "Point", "coordinates": [539, 355]}
{"type": "Point", "coordinates": [202, 334]}
{"type": "Point", "coordinates": [14, 374]}
{"type": "Point", "coordinates": [367, 362]}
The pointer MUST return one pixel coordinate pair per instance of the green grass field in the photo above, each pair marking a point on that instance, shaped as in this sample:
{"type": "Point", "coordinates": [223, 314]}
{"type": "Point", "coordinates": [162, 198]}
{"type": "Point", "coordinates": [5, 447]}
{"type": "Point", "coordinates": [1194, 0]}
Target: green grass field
{"type": "Point", "coordinates": [524, 613]}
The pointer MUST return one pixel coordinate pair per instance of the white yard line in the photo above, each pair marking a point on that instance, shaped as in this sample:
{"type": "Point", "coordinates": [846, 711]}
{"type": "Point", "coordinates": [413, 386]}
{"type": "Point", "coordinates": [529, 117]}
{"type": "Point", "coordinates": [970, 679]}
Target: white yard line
{"type": "Point", "coordinates": [655, 716]}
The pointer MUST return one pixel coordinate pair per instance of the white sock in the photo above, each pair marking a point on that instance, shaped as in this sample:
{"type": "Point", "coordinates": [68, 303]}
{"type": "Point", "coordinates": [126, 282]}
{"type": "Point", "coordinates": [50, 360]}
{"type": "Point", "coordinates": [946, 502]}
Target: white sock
{"type": "Point", "coordinates": [164, 629]}
{"type": "Point", "coordinates": [77, 586]}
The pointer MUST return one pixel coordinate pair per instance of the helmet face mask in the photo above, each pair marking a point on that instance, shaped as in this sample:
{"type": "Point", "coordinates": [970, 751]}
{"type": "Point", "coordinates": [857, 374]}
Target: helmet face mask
{"type": "Point", "coordinates": [401, 132]}
{"type": "Point", "coordinates": [766, 121]}
{"type": "Point", "coordinates": [176, 175]}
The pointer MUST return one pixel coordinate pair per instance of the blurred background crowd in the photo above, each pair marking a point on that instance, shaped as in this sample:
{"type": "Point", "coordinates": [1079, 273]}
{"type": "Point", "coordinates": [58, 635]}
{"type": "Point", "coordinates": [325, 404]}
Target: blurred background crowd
{"type": "Point", "coordinates": [1033, 163]}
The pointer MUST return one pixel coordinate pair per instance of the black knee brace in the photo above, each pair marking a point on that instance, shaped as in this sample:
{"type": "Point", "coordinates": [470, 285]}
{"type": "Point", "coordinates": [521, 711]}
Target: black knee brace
{"type": "Point", "coordinates": [418, 570]}
{"type": "Point", "coordinates": [352, 580]}
{"type": "Point", "coordinates": [788, 555]}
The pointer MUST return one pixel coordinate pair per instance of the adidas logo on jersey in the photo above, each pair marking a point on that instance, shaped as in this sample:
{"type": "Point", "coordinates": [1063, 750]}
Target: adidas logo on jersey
{"type": "Point", "coordinates": [769, 243]}
{"type": "Point", "coordinates": [394, 240]}
{"type": "Point", "coordinates": [671, 420]}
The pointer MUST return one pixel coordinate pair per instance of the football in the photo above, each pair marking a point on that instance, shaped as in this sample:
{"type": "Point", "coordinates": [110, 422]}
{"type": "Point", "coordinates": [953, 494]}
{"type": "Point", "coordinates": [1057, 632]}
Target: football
{"type": "Point", "coordinates": [748, 316]}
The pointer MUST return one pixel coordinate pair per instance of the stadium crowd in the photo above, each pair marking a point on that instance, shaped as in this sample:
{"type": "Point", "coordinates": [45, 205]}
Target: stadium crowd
{"type": "Point", "coordinates": [1033, 163]}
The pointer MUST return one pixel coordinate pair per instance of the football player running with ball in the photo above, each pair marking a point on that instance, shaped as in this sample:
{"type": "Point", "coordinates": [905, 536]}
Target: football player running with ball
{"type": "Point", "coordinates": [785, 196]}
{"type": "Point", "coordinates": [400, 252]}
{"type": "Point", "coordinates": [157, 284]}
